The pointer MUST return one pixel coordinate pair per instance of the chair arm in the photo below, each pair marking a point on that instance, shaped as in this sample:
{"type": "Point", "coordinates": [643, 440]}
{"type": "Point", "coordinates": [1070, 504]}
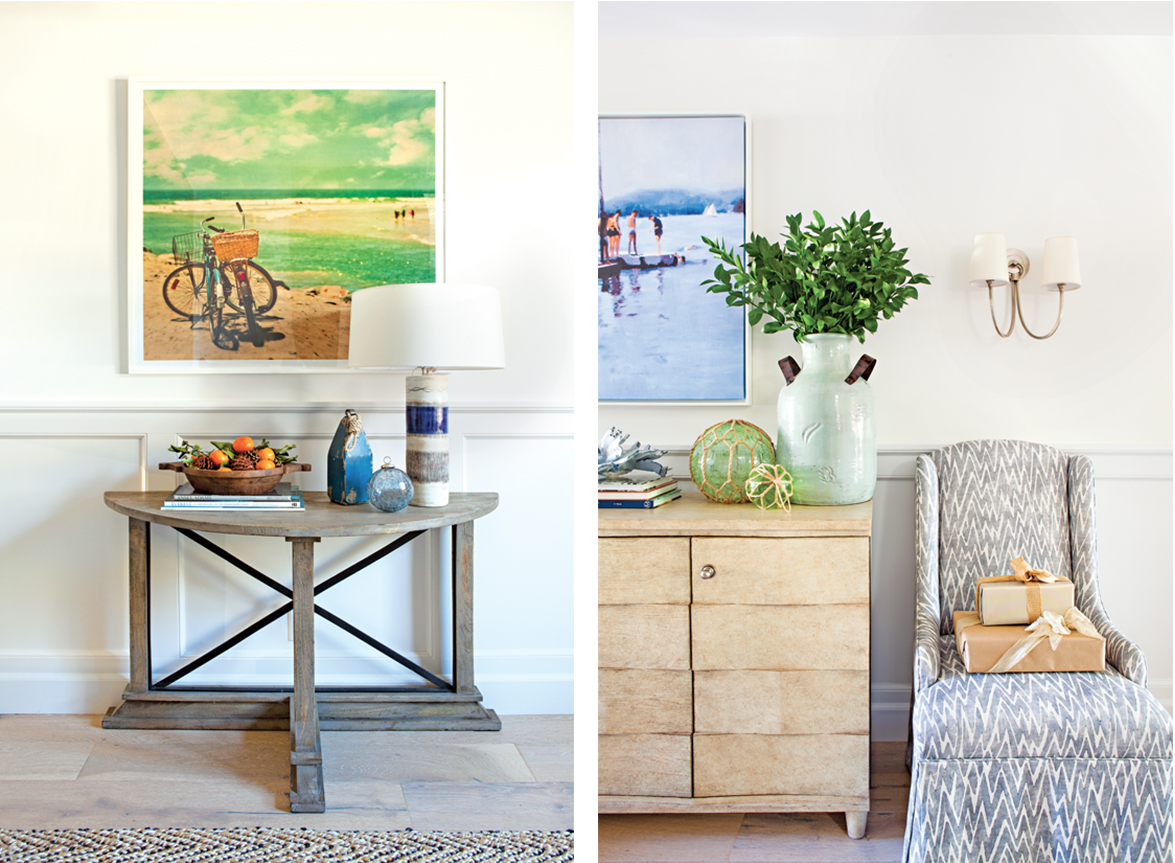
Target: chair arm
{"type": "Point", "coordinates": [1121, 652]}
{"type": "Point", "coordinates": [926, 612]}
{"type": "Point", "coordinates": [925, 662]}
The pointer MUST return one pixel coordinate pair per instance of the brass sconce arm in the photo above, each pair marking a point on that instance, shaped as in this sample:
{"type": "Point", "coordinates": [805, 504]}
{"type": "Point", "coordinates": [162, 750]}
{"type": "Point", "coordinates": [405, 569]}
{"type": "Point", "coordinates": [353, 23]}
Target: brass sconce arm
{"type": "Point", "coordinates": [990, 256]}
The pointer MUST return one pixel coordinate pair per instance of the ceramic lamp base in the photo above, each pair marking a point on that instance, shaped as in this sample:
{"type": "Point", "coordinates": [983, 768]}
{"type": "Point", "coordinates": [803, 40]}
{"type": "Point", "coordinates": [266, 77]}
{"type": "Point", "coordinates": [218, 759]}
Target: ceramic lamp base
{"type": "Point", "coordinates": [427, 453]}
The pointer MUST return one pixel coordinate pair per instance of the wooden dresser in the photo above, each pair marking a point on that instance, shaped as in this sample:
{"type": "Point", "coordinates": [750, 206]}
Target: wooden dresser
{"type": "Point", "coordinates": [734, 659]}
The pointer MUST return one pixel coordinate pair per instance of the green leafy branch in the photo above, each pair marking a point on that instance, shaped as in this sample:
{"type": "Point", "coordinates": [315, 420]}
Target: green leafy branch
{"type": "Point", "coordinates": [839, 278]}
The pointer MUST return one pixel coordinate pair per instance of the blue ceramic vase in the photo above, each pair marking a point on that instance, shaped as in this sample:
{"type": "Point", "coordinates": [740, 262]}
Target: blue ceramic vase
{"type": "Point", "coordinates": [348, 462]}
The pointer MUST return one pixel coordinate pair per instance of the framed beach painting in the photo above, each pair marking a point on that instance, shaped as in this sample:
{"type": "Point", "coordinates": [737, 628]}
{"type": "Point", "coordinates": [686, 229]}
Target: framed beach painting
{"type": "Point", "coordinates": [665, 183]}
{"type": "Point", "coordinates": [255, 209]}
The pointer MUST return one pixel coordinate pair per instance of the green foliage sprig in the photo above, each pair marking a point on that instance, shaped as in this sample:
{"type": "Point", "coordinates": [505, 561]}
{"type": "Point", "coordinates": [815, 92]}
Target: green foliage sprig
{"type": "Point", "coordinates": [824, 279]}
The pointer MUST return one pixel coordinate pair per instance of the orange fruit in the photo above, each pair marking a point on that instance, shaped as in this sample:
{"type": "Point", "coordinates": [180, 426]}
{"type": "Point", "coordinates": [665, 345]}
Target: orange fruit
{"type": "Point", "coordinates": [265, 464]}
{"type": "Point", "coordinates": [266, 454]}
{"type": "Point", "coordinates": [226, 467]}
{"type": "Point", "coordinates": [243, 444]}
{"type": "Point", "coordinates": [219, 457]}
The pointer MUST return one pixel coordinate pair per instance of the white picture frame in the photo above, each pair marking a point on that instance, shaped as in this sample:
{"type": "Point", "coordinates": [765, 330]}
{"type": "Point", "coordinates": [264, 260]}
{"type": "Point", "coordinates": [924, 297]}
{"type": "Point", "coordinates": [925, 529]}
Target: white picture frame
{"type": "Point", "coordinates": [323, 148]}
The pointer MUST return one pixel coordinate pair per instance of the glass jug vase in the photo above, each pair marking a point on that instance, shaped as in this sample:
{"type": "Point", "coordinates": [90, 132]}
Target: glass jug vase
{"type": "Point", "coordinates": [826, 438]}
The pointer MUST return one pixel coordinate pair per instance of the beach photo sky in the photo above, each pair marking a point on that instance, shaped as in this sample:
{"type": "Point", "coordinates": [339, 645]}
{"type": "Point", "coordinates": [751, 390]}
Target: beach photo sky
{"type": "Point", "coordinates": [653, 153]}
{"type": "Point", "coordinates": [281, 139]}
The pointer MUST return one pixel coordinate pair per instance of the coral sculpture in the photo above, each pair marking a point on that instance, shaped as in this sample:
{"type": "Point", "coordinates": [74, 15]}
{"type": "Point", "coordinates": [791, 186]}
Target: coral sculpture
{"type": "Point", "coordinates": [614, 459]}
{"type": "Point", "coordinates": [769, 487]}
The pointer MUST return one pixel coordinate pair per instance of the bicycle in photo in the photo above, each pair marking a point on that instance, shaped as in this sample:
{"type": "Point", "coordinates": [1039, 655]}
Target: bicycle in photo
{"type": "Point", "coordinates": [216, 270]}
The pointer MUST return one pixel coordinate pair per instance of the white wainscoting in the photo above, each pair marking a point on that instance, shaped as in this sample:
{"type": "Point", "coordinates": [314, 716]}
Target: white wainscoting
{"type": "Point", "coordinates": [63, 558]}
{"type": "Point", "coordinates": [1134, 522]}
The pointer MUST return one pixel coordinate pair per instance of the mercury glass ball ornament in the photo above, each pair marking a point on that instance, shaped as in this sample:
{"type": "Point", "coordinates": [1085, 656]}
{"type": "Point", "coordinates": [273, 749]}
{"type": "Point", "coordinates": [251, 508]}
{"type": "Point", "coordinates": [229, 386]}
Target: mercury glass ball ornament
{"type": "Point", "coordinates": [389, 488]}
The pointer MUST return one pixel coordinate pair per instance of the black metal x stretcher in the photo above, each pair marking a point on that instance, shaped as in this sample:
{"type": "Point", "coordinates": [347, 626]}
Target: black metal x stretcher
{"type": "Point", "coordinates": [166, 683]}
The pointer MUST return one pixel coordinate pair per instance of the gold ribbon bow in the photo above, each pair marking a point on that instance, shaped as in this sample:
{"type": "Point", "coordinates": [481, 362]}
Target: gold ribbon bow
{"type": "Point", "coordinates": [1032, 578]}
{"type": "Point", "coordinates": [1049, 625]}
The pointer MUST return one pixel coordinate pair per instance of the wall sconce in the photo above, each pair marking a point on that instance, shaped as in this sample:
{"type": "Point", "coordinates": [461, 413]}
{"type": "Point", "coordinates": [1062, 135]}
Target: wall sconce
{"type": "Point", "coordinates": [994, 265]}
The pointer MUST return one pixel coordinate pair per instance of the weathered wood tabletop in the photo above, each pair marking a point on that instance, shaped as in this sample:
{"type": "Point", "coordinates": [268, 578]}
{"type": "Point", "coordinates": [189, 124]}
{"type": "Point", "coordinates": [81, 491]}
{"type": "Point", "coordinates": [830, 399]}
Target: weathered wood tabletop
{"type": "Point", "coordinates": [320, 518]}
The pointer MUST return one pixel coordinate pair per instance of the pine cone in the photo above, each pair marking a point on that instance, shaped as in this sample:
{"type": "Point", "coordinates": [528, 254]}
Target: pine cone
{"type": "Point", "coordinates": [251, 455]}
{"type": "Point", "coordinates": [203, 462]}
{"type": "Point", "coordinates": [241, 462]}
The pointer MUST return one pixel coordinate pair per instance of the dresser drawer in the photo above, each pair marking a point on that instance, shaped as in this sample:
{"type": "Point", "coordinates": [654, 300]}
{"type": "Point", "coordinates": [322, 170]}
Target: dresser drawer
{"type": "Point", "coordinates": [781, 702]}
{"type": "Point", "coordinates": [732, 765]}
{"type": "Point", "coordinates": [780, 637]}
{"type": "Point", "coordinates": [801, 571]}
{"type": "Point", "coordinates": [637, 700]}
{"type": "Point", "coordinates": [644, 636]}
{"type": "Point", "coordinates": [645, 765]}
{"type": "Point", "coordinates": [644, 571]}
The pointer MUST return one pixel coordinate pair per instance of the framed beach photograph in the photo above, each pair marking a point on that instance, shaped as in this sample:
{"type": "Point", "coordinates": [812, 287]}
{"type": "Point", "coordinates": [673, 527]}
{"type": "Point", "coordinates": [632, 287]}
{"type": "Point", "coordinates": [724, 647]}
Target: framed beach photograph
{"type": "Point", "coordinates": [665, 183]}
{"type": "Point", "coordinates": [256, 209]}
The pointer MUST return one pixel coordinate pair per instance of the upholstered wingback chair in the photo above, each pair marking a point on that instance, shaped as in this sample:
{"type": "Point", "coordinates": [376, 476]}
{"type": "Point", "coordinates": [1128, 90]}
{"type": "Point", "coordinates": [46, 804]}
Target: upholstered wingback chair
{"type": "Point", "coordinates": [1025, 767]}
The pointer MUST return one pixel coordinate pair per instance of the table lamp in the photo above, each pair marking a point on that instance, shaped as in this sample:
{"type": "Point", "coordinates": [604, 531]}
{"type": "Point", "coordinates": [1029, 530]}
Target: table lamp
{"type": "Point", "coordinates": [436, 328]}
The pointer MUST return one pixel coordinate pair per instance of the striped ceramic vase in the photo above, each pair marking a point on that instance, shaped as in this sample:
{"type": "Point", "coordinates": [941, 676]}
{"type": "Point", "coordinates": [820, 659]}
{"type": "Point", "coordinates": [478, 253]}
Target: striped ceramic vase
{"type": "Point", "coordinates": [427, 416]}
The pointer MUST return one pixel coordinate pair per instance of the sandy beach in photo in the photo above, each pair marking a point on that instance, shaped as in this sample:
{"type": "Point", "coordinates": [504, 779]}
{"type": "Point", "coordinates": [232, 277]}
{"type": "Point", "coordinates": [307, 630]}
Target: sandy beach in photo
{"type": "Point", "coordinates": [321, 248]}
{"type": "Point", "coordinates": [304, 324]}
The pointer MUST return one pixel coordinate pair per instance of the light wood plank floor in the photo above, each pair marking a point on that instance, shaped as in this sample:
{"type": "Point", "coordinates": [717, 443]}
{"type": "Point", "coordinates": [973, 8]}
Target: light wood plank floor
{"type": "Point", "coordinates": [67, 771]}
{"type": "Point", "coordinates": [799, 838]}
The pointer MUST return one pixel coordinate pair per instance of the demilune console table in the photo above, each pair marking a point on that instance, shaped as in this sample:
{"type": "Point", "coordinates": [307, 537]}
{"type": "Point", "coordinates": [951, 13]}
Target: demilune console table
{"type": "Point", "coordinates": [436, 705]}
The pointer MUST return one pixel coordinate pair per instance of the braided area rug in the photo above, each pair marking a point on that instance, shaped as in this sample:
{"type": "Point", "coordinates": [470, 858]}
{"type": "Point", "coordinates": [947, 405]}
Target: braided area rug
{"type": "Point", "coordinates": [275, 845]}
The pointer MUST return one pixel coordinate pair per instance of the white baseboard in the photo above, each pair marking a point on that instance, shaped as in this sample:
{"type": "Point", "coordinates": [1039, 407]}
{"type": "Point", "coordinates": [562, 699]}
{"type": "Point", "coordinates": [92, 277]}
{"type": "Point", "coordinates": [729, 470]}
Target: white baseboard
{"type": "Point", "coordinates": [93, 681]}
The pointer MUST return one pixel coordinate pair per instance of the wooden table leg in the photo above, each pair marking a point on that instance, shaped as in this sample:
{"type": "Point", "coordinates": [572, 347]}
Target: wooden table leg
{"type": "Point", "coordinates": [306, 789]}
{"type": "Point", "coordinates": [463, 606]}
{"type": "Point", "coordinates": [140, 610]}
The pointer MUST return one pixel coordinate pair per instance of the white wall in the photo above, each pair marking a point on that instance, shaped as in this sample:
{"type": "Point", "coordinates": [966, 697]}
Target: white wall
{"type": "Point", "coordinates": [74, 425]}
{"type": "Point", "coordinates": [943, 134]}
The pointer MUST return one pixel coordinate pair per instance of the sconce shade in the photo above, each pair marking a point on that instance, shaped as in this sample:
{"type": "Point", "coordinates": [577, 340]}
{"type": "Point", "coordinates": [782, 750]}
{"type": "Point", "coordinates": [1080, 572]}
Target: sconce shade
{"type": "Point", "coordinates": [989, 260]}
{"type": "Point", "coordinates": [450, 327]}
{"type": "Point", "coordinates": [1060, 264]}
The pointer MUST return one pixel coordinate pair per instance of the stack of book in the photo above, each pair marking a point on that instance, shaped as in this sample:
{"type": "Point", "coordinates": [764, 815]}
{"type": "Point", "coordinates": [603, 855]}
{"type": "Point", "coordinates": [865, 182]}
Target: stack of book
{"type": "Point", "coordinates": [285, 497]}
{"type": "Point", "coordinates": [637, 492]}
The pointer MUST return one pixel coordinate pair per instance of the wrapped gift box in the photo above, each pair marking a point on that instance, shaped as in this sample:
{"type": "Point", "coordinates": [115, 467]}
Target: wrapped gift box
{"type": "Point", "coordinates": [982, 646]}
{"type": "Point", "coordinates": [1002, 602]}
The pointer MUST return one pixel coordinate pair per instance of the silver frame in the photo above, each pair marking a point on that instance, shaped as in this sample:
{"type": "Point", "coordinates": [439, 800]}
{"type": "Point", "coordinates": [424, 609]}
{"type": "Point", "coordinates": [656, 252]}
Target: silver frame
{"type": "Point", "coordinates": [747, 352]}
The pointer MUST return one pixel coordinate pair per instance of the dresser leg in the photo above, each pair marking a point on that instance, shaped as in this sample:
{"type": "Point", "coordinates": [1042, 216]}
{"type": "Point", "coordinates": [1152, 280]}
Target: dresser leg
{"type": "Point", "coordinates": [306, 788]}
{"type": "Point", "coordinates": [856, 824]}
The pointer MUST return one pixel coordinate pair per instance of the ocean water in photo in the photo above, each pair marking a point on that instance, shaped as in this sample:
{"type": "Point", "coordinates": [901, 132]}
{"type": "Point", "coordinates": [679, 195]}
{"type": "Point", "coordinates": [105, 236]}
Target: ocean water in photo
{"type": "Point", "coordinates": [306, 241]}
{"type": "Point", "coordinates": [661, 336]}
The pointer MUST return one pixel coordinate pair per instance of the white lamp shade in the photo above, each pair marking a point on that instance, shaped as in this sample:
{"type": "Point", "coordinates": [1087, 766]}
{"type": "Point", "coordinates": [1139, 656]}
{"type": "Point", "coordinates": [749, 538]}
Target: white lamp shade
{"type": "Point", "coordinates": [449, 327]}
{"type": "Point", "coordinates": [1060, 264]}
{"type": "Point", "coordinates": [989, 260]}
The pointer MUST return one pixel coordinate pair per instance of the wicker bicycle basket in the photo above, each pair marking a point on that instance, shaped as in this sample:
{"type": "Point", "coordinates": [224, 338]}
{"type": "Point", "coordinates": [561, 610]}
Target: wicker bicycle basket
{"type": "Point", "coordinates": [187, 247]}
{"type": "Point", "coordinates": [234, 245]}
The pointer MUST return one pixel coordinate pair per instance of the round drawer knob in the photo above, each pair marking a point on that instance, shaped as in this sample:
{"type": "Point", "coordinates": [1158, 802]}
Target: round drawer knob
{"type": "Point", "coordinates": [707, 571]}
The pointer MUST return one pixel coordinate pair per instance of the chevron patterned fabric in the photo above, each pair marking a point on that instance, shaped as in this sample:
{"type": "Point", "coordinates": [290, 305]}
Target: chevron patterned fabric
{"type": "Point", "coordinates": [1019, 768]}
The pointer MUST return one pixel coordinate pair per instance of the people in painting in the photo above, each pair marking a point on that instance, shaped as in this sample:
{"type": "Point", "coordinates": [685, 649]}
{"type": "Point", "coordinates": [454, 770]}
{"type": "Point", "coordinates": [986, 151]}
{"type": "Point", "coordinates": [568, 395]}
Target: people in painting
{"type": "Point", "coordinates": [657, 230]}
{"type": "Point", "coordinates": [605, 240]}
{"type": "Point", "coordinates": [632, 233]}
{"type": "Point", "coordinates": [614, 235]}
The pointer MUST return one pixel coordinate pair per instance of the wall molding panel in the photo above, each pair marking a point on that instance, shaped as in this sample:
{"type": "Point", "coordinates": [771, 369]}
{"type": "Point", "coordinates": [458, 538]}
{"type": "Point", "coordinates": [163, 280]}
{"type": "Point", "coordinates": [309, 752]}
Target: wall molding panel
{"type": "Point", "coordinates": [72, 663]}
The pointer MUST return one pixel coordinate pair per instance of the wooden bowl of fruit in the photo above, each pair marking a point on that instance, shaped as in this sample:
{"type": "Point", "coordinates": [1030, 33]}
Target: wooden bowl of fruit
{"type": "Point", "coordinates": [239, 467]}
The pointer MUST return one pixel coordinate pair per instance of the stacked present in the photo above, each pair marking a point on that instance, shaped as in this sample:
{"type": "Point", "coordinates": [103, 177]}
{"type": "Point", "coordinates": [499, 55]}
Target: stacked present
{"type": "Point", "coordinates": [994, 638]}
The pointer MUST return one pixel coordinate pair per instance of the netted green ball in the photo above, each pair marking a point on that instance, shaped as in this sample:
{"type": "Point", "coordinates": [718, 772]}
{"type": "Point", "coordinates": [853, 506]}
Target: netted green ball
{"type": "Point", "coordinates": [724, 456]}
{"type": "Point", "coordinates": [769, 487]}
